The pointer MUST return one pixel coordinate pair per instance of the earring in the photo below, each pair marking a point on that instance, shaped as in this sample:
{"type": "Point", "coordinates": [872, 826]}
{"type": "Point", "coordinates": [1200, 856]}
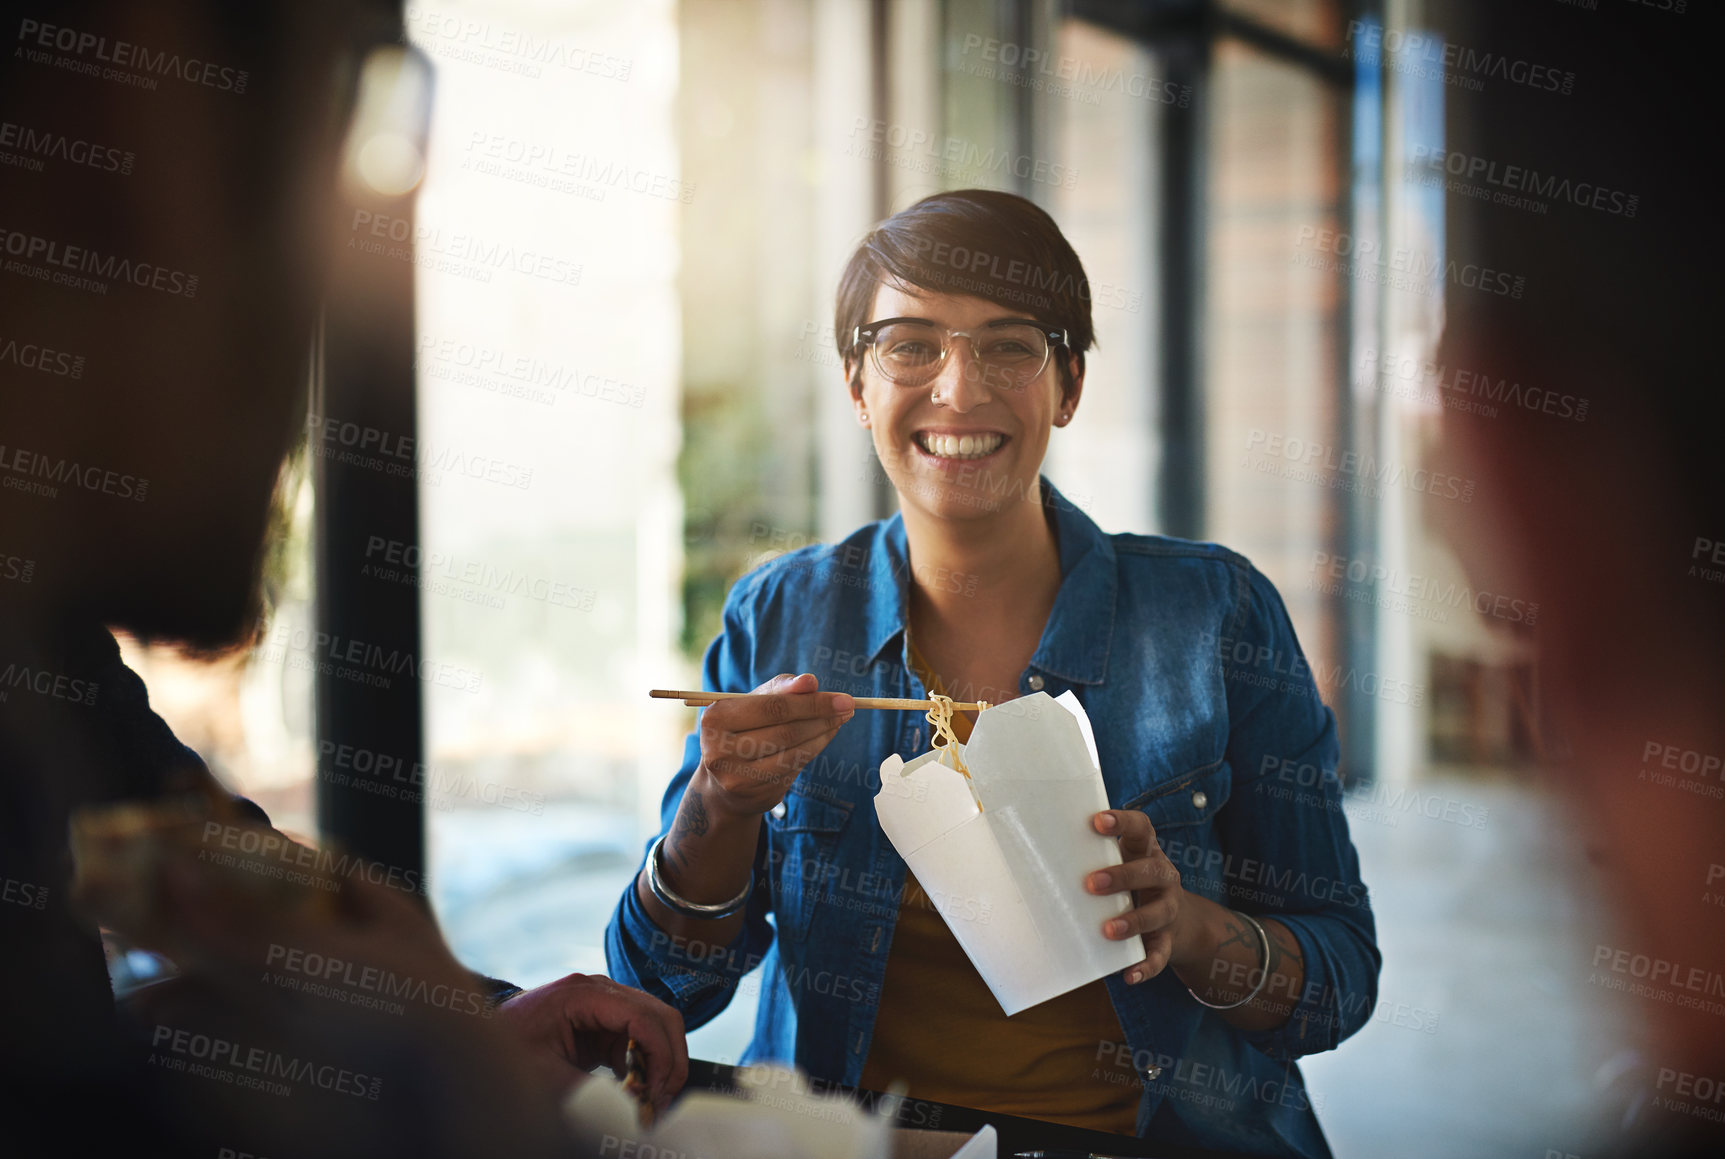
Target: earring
{"type": "Point", "coordinates": [863, 415]}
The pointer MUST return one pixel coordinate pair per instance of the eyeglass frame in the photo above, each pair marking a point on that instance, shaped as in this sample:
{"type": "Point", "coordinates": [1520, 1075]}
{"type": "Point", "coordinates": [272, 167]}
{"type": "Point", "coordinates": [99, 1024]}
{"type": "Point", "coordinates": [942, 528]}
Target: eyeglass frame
{"type": "Point", "coordinates": [1056, 336]}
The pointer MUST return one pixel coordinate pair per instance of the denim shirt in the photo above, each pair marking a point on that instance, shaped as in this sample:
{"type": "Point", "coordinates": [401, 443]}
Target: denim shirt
{"type": "Point", "coordinates": [1205, 717]}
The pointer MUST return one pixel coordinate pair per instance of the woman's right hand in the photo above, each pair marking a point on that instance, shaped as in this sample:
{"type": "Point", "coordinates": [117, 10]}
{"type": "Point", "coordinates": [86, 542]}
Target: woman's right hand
{"type": "Point", "coordinates": [752, 748]}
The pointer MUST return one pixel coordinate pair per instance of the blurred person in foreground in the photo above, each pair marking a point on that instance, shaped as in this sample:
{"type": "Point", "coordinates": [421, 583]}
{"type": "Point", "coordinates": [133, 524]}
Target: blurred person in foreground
{"type": "Point", "coordinates": [963, 323]}
{"type": "Point", "coordinates": [165, 252]}
{"type": "Point", "coordinates": [1617, 521]}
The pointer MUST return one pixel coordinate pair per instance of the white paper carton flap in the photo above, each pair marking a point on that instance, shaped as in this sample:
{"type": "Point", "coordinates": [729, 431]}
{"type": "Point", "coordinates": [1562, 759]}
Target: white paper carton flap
{"type": "Point", "coordinates": [1070, 702]}
{"type": "Point", "coordinates": [1033, 738]}
{"type": "Point", "coordinates": [923, 800]}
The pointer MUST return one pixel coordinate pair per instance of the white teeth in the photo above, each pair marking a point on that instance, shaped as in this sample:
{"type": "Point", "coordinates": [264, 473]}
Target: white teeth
{"type": "Point", "coordinates": [961, 446]}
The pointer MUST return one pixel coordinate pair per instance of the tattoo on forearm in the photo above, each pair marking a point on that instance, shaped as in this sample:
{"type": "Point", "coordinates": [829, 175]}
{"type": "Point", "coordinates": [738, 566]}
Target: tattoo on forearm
{"type": "Point", "coordinates": [693, 815]}
{"type": "Point", "coordinates": [1284, 948]}
{"type": "Point", "coordinates": [1278, 952]}
{"type": "Point", "coordinates": [1239, 933]}
{"type": "Point", "coordinates": [1287, 968]}
{"type": "Point", "coordinates": [691, 821]}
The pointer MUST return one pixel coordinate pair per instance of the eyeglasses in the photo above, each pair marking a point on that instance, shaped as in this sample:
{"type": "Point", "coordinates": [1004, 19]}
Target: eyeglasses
{"type": "Point", "coordinates": [911, 351]}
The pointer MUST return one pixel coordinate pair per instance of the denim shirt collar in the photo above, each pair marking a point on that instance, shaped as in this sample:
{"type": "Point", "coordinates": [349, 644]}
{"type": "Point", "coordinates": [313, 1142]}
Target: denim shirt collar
{"type": "Point", "coordinates": [1074, 645]}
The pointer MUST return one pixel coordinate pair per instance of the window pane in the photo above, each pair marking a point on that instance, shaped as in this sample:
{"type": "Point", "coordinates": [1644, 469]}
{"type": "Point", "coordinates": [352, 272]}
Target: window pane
{"type": "Point", "coordinates": [547, 359]}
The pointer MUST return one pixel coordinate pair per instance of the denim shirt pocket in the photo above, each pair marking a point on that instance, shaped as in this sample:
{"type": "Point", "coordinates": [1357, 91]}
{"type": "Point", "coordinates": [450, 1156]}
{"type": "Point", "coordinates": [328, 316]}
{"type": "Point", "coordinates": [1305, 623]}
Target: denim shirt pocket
{"type": "Point", "coordinates": [803, 857]}
{"type": "Point", "coordinates": [1183, 810]}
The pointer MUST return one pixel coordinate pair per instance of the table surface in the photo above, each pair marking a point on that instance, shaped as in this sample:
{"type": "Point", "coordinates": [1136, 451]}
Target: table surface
{"type": "Point", "coordinates": [1016, 1134]}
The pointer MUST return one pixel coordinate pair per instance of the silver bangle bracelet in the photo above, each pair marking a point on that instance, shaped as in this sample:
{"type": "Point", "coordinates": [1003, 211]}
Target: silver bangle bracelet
{"type": "Point", "coordinates": [691, 909]}
{"type": "Point", "coordinates": [1263, 973]}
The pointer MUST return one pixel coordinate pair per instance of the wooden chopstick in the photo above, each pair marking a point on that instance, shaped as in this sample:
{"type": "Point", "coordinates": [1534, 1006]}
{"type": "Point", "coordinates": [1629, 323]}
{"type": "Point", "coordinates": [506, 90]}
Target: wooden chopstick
{"type": "Point", "coordinates": [703, 699]}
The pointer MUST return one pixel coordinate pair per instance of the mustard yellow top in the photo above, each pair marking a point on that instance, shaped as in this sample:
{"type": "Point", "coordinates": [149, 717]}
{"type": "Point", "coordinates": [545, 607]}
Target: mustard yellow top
{"type": "Point", "coordinates": [941, 1030]}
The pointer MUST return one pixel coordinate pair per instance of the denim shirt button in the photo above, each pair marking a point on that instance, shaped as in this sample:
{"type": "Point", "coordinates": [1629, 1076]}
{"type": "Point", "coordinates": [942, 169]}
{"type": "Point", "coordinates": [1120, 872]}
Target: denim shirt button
{"type": "Point", "coordinates": [778, 811]}
{"type": "Point", "coordinates": [1035, 683]}
{"type": "Point", "coordinates": [1152, 1073]}
{"type": "Point", "coordinates": [1200, 799]}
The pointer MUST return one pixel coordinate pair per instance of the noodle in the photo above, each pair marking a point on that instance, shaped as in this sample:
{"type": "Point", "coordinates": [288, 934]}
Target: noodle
{"type": "Point", "coordinates": [943, 739]}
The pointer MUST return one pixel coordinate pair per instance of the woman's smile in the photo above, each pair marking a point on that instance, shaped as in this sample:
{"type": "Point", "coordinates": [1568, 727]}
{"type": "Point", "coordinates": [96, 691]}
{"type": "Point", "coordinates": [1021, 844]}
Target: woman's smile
{"type": "Point", "coordinates": [950, 445]}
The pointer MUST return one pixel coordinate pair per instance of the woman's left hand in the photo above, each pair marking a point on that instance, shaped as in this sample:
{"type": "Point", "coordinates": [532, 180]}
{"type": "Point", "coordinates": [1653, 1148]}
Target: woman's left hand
{"type": "Point", "coordinates": [1155, 886]}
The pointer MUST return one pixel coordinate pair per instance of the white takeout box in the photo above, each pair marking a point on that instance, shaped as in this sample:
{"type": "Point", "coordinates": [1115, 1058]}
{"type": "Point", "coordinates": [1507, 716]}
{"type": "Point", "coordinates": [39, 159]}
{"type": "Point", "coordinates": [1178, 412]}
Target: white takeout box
{"type": "Point", "coordinates": [773, 1115]}
{"type": "Point", "coordinates": [1009, 878]}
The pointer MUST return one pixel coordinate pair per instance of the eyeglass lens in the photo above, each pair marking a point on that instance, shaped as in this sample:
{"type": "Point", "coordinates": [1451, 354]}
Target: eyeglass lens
{"type": "Point", "coordinates": [911, 353]}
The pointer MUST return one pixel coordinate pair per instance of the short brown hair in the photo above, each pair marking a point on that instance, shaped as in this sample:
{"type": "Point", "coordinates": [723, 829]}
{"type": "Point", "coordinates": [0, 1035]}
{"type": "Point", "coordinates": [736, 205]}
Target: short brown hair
{"type": "Point", "coordinates": [978, 242]}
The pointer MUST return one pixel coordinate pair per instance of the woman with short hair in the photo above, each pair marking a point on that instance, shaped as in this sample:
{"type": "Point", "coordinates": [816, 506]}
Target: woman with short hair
{"type": "Point", "coordinates": [963, 323]}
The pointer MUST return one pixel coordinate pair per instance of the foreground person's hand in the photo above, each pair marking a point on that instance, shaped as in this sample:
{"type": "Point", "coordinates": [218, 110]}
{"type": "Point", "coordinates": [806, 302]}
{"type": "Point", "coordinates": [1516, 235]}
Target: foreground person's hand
{"type": "Point", "coordinates": [305, 974]}
{"type": "Point", "coordinates": [586, 1020]}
